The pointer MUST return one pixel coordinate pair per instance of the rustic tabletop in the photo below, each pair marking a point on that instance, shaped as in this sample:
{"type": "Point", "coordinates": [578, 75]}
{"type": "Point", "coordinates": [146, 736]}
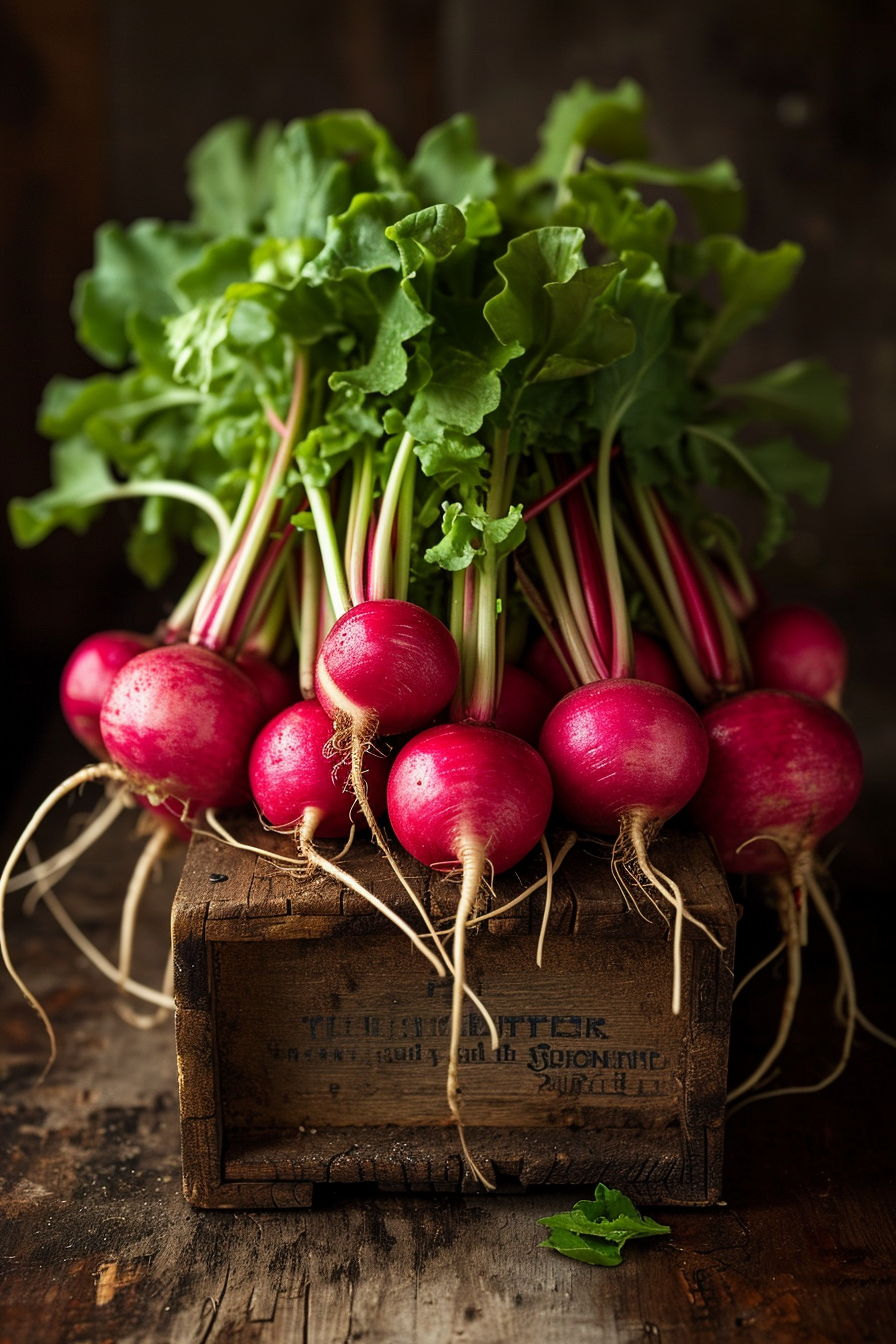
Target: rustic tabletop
{"type": "Point", "coordinates": [98, 1244]}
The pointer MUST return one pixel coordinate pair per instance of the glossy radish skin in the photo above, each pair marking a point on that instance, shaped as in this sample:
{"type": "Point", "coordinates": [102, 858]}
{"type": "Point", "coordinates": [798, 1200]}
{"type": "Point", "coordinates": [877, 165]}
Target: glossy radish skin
{"type": "Point", "coordinates": [780, 765]}
{"type": "Point", "coordinates": [277, 688]}
{"type": "Point", "coordinates": [387, 666]}
{"type": "Point", "coordinates": [87, 677]}
{"type": "Point", "coordinates": [181, 720]}
{"type": "Point", "coordinates": [542, 663]}
{"type": "Point", "coordinates": [798, 648]}
{"type": "Point", "coordinates": [461, 784]}
{"type": "Point", "coordinates": [290, 773]}
{"type": "Point", "coordinates": [620, 747]}
{"type": "Point", "coordinates": [523, 706]}
{"type": "Point", "coordinates": [653, 663]}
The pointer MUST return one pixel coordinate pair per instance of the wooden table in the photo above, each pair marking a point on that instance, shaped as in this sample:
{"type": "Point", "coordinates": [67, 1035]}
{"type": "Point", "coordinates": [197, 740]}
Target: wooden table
{"type": "Point", "coordinates": [98, 1244]}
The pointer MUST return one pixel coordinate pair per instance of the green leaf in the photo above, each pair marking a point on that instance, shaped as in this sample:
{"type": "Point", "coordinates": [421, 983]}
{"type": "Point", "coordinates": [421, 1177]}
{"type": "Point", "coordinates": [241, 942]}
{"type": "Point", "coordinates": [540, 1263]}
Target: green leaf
{"type": "Point", "coordinates": [455, 460]}
{"type": "Point", "coordinates": [79, 473]}
{"type": "Point", "coordinates": [136, 271]}
{"type": "Point", "coordinates": [641, 296]}
{"type": "Point", "coordinates": [356, 240]}
{"type": "Point", "coordinates": [449, 165]}
{"type": "Point", "coordinates": [68, 402]}
{"type": "Point", "coordinates": [393, 315]}
{"type": "Point", "coordinates": [608, 121]}
{"type": "Point", "coordinates": [715, 192]}
{"type": "Point", "coordinates": [196, 344]}
{"type": "Point", "coordinates": [432, 233]}
{"type": "Point", "coordinates": [482, 218]}
{"type": "Point", "coordinates": [462, 390]}
{"type": "Point", "coordinates": [224, 262]}
{"type": "Point", "coordinates": [228, 177]}
{"type": "Point", "coordinates": [520, 315]}
{"type": "Point", "coordinates": [468, 532]}
{"type": "Point", "coordinates": [619, 218]}
{"type": "Point", "coordinates": [149, 551]}
{"type": "Point", "coordinates": [600, 1225]}
{"type": "Point", "coordinates": [302, 312]}
{"type": "Point", "coordinates": [308, 184]}
{"type": "Point", "coordinates": [751, 283]}
{"type": "Point", "coordinates": [590, 1250]}
{"type": "Point", "coordinates": [805, 392]}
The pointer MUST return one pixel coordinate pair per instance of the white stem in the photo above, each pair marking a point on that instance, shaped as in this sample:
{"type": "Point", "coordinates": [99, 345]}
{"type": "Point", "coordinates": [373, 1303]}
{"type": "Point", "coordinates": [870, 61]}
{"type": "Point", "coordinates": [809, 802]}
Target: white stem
{"type": "Point", "coordinates": [191, 494]}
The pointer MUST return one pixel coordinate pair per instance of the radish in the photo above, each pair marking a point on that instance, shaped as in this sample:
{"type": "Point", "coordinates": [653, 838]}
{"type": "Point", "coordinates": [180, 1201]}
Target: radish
{"type": "Point", "coordinates": [467, 796]}
{"type": "Point", "coordinates": [798, 648]}
{"type": "Point", "coordinates": [523, 706]}
{"type": "Point", "coordinates": [386, 667]}
{"type": "Point", "coordinates": [542, 663]}
{"type": "Point", "coordinates": [86, 678]}
{"type": "Point", "coordinates": [652, 663]}
{"type": "Point", "coordinates": [180, 720]}
{"type": "Point", "coordinates": [293, 783]}
{"type": "Point", "coordinates": [277, 689]}
{"type": "Point", "coordinates": [297, 790]}
{"type": "Point", "coordinates": [783, 771]}
{"type": "Point", "coordinates": [624, 757]}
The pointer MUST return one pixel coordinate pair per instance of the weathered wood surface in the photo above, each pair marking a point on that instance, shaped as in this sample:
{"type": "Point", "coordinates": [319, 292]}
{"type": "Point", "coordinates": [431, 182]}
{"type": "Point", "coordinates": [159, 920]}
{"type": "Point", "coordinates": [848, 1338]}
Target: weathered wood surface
{"type": "Point", "coordinates": [97, 1242]}
{"type": "Point", "coordinates": [312, 1037]}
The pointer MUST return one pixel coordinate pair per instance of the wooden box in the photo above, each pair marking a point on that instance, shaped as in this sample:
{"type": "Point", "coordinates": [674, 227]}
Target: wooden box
{"type": "Point", "coordinates": [312, 1037]}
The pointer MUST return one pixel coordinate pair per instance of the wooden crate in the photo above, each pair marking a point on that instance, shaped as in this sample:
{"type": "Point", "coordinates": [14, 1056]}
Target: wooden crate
{"type": "Point", "coordinates": [312, 1037]}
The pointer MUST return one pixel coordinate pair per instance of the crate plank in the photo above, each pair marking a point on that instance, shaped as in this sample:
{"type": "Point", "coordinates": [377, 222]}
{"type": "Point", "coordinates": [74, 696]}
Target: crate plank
{"type": "Point", "coordinates": [313, 1046]}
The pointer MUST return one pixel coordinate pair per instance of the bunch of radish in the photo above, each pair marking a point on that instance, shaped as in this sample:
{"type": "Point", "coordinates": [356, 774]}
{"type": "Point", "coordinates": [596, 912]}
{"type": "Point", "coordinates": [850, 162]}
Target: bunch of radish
{"type": "Point", "coordinates": [417, 439]}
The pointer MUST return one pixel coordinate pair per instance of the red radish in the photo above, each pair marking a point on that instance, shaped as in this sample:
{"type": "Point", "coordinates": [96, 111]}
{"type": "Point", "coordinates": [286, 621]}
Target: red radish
{"type": "Point", "coordinates": [652, 663]}
{"type": "Point", "coordinates": [467, 796]}
{"type": "Point", "coordinates": [784, 770]}
{"type": "Point", "coordinates": [86, 678]}
{"type": "Point", "coordinates": [277, 688]}
{"type": "Point", "coordinates": [297, 789]}
{"type": "Point", "coordinates": [524, 705]}
{"type": "Point", "coordinates": [542, 663]}
{"type": "Point", "coordinates": [798, 648]}
{"type": "Point", "coordinates": [294, 783]}
{"type": "Point", "coordinates": [180, 720]}
{"type": "Point", "coordinates": [386, 667]}
{"type": "Point", "coordinates": [624, 757]}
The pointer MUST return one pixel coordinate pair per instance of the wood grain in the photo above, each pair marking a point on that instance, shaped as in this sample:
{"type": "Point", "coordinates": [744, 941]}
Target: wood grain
{"type": "Point", "coordinates": [97, 1242]}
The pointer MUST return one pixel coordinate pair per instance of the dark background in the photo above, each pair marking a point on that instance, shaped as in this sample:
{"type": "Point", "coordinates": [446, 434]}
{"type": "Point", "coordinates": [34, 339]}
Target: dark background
{"type": "Point", "coordinates": [99, 103]}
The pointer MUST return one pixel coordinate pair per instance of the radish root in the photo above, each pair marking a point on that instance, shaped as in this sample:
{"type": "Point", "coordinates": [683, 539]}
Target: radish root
{"type": "Point", "coordinates": [632, 841]}
{"type": "Point", "coordinates": [86, 775]}
{"type": "Point", "coordinates": [472, 857]}
{"type": "Point", "coordinates": [60, 862]}
{"type": "Point", "coordinates": [789, 918]}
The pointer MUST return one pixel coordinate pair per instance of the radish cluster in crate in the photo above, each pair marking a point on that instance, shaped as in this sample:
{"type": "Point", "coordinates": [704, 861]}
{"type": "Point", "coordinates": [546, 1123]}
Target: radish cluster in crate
{"type": "Point", "coordinates": [419, 439]}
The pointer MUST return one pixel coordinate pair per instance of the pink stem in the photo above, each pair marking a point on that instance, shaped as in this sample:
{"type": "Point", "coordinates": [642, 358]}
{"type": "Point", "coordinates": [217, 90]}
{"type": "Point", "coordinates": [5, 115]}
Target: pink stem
{"type": "Point", "coordinates": [705, 631]}
{"type": "Point", "coordinates": [559, 491]}
{"type": "Point", "coordinates": [591, 573]}
{"type": "Point", "coordinates": [245, 611]}
{"type": "Point", "coordinates": [368, 558]}
{"type": "Point", "coordinates": [274, 421]}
